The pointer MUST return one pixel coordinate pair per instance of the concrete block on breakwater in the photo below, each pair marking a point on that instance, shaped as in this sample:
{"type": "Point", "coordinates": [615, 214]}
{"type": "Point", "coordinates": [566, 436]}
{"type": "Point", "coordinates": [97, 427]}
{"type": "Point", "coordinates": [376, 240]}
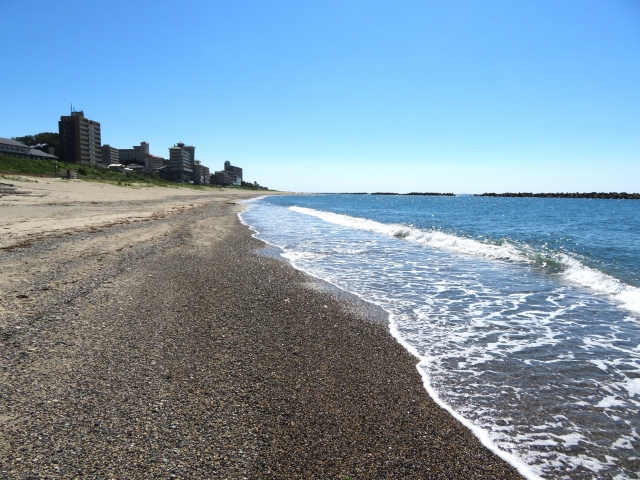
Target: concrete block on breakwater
{"type": "Point", "coordinates": [610, 195]}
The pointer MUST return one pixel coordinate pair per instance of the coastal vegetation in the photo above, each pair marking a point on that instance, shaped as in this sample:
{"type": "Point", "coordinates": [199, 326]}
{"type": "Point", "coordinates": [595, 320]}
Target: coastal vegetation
{"type": "Point", "coordinates": [41, 140]}
{"type": "Point", "coordinates": [27, 166]}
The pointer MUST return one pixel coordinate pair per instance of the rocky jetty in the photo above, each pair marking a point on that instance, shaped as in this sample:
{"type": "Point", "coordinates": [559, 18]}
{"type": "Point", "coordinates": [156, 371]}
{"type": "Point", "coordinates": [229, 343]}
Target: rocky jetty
{"type": "Point", "coordinates": [422, 194]}
{"type": "Point", "coordinates": [431, 194]}
{"type": "Point", "coordinates": [610, 195]}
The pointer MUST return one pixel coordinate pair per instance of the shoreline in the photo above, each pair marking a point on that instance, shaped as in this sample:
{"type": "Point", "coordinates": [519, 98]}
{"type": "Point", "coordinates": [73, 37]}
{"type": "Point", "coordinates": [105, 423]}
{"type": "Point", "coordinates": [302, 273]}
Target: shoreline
{"type": "Point", "coordinates": [174, 347]}
{"type": "Point", "coordinates": [366, 310]}
{"type": "Point", "coordinates": [371, 312]}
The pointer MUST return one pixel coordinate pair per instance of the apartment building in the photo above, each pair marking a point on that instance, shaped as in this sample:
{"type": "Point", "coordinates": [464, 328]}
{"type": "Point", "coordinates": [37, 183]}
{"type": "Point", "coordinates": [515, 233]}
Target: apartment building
{"type": "Point", "coordinates": [236, 172]}
{"type": "Point", "coordinates": [201, 175]}
{"type": "Point", "coordinates": [134, 155]}
{"type": "Point", "coordinates": [153, 163]}
{"type": "Point", "coordinates": [139, 155]}
{"type": "Point", "coordinates": [222, 177]}
{"type": "Point", "coordinates": [79, 139]}
{"type": "Point", "coordinates": [229, 176]}
{"type": "Point", "coordinates": [182, 162]}
{"type": "Point", "coordinates": [110, 155]}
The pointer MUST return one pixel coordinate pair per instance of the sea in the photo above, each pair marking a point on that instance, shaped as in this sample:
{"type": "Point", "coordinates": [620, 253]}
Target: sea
{"type": "Point", "coordinates": [523, 313]}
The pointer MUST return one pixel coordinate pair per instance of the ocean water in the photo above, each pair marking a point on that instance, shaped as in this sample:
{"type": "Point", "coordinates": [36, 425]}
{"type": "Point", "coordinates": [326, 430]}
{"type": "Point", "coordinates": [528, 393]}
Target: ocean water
{"type": "Point", "coordinates": [523, 313]}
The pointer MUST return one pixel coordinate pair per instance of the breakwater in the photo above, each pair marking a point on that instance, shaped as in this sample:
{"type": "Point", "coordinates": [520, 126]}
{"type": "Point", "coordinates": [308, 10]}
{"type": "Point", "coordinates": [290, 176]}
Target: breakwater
{"type": "Point", "coordinates": [422, 194]}
{"type": "Point", "coordinates": [610, 195]}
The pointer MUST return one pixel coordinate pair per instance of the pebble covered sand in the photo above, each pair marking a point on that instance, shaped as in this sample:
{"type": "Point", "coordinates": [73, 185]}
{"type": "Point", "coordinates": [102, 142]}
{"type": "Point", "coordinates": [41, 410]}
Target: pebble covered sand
{"type": "Point", "coordinates": [172, 348]}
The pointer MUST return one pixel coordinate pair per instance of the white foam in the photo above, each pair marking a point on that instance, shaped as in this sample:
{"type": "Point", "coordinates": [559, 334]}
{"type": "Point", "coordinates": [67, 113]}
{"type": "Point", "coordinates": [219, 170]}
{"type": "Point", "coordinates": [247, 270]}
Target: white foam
{"type": "Point", "coordinates": [482, 435]}
{"type": "Point", "coordinates": [507, 322]}
{"type": "Point", "coordinates": [623, 442]}
{"type": "Point", "coordinates": [633, 386]}
{"type": "Point", "coordinates": [627, 296]}
{"type": "Point", "coordinates": [600, 364]}
{"type": "Point", "coordinates": [571, 439]}
{"type": "Point", "coordinates": [433, 238]}
{"type": "Point", "coordinates": [610, 401]}
{"type": "Point", "coordinates": [524, 469]}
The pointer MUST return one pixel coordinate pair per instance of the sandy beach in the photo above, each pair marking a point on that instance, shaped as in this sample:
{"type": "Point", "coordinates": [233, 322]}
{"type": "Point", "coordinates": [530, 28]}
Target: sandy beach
{"type": "Point", "coordinates": [145, 334]}
{"type": "Point", "coordinates": [53, 206]}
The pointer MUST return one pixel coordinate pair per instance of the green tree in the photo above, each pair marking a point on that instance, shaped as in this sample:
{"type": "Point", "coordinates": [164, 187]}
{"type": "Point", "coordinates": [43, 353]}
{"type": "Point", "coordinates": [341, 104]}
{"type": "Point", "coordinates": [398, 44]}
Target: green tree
{"type": "Point", "coordinates": [42, 140]}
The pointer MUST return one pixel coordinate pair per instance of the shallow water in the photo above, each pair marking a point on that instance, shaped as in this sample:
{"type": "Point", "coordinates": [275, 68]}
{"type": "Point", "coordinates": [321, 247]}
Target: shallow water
{"type": "Point", "coordinates": [525, 313]}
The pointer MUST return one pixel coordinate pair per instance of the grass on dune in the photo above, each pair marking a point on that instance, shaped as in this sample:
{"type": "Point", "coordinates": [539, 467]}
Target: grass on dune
{"type": "Point", "coordinates": [88, 173]}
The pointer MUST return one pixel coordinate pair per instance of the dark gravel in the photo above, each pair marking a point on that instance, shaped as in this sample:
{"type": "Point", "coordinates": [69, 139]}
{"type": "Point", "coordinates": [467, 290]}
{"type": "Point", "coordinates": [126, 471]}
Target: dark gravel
{"type": "Point", "coordinates": [188, 355]}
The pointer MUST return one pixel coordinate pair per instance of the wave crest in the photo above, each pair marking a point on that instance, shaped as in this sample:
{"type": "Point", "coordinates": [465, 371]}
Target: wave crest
{"type": "Point", "coordinates": [570, 268]}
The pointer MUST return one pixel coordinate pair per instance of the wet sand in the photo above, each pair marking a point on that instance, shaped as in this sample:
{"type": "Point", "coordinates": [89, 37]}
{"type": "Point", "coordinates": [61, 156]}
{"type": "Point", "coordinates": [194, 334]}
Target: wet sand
{"type": "Point", "coordinates": [176, 348]}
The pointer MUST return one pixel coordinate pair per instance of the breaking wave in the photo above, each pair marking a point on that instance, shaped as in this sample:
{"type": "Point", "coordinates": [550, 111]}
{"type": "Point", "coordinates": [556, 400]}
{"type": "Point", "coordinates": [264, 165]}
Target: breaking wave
{"type": "Point", "coordinates": [568, 267]}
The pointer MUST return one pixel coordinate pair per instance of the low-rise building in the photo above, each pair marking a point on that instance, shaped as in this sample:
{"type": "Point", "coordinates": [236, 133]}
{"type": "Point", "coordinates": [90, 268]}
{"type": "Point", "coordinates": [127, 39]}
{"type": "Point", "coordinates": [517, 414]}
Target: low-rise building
{"type": "Point", "coordinates": [134, 167]}
{"type": "Point", "coordinates": [14, 148]}
{"type": "Point", "coordinates": [40, 155]}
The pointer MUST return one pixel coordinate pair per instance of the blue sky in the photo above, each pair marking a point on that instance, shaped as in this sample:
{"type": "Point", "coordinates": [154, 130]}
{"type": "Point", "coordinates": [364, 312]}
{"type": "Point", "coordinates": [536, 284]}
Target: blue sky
{"type": "Point", "coordinates": [456, 96]}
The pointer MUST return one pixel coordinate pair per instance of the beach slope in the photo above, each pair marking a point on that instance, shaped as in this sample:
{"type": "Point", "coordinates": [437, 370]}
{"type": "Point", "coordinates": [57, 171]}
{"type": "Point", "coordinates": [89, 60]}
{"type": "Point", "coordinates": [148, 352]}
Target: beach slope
{"type": "Point", "coordinates": [173, 348]}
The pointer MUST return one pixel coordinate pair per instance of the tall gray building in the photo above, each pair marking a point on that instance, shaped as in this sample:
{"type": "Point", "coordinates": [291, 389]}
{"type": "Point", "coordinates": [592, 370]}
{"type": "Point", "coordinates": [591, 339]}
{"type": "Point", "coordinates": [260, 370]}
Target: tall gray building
{"type": "Point", "coordinates": [110, 155]}
{"type": "Point", "coordinates": [79, 139]}
{"type": "Point", "coordinates": [182, 162]}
